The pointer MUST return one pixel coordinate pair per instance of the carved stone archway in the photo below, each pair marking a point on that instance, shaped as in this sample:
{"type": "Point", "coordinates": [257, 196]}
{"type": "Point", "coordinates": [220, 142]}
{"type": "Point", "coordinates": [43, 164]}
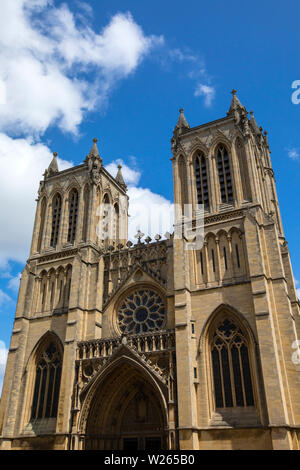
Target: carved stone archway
{"type": "Point", "coordinates": [126, 412]}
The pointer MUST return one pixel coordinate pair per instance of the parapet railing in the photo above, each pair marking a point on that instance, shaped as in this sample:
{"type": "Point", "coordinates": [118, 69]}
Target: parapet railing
{"type": "Point", "coordinates": [143, 343]}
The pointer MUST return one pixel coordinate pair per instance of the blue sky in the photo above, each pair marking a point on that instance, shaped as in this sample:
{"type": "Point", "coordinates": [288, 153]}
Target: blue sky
{"type": "Point", "coordinates": [120, 71]}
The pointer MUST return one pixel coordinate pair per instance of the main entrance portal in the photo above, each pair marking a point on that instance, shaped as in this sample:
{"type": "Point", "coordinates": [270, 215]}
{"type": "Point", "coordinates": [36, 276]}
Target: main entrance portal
{"type": "Point", "coordinates": [126, 413]}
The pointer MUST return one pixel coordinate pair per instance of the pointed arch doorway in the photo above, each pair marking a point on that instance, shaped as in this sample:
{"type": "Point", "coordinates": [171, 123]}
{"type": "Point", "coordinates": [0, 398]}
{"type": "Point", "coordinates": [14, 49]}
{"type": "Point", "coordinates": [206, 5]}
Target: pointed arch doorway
{"type": "Point", "coordinates": [126, 412]}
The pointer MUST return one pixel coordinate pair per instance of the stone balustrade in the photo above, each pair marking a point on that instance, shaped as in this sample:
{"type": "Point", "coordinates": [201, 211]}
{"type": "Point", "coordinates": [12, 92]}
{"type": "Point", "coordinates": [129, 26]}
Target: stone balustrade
{"type": "Point", "coordinates": [156, 341]}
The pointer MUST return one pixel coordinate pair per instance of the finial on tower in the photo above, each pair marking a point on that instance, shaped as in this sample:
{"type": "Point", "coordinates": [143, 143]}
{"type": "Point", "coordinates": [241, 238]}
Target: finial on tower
{"type": "Point", "coordinates": [94, 150]}
{"type": "Point", "coordinates": [119, 177]}
{"type": "Point", "coordinates": [235, 104]}
{"type": "Point", "coordinates": [253, 123]}
{"type": "Point", "coordinates": [53, 167]}
{"type": "Point", "coordinates": [182, 122]}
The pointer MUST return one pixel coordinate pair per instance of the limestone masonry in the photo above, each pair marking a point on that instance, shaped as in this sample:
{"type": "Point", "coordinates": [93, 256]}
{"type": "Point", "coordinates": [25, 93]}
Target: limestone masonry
{"type": "Point", "coordinates": [150, 345]}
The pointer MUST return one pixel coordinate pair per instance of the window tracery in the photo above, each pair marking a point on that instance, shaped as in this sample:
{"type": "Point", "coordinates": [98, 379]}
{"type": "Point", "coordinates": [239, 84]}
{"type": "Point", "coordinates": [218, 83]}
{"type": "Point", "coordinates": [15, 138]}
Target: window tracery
{"type": "Point", "coordinates": [47, 383]}
{"type": "Point", "coordinates": [56, 212]}
{"type": "Point", "coordinates": [141, 311]}
{"type": "Point", "coordinates": [73, 213]}
{"type": "Point", "coordinates": [231, 366]}
{"type": "Point", "coordinates": [201, 180]}
{"type": "Point", "coordinates": [224, 175]}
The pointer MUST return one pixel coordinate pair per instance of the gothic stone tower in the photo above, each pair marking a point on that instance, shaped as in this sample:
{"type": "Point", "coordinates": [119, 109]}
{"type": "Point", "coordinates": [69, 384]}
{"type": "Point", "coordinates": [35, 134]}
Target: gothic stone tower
{"type": "Point", "coordinates": [154, 346]}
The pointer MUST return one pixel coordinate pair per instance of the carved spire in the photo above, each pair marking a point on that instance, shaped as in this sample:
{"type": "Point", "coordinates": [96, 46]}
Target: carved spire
{"type": "Point", "coordinates": [94, 163]}
{"type": "Point", "coordinates": [182, 122]}
{"type": "Point", "coordinates": [254, 123]}
{"type": "Point", "coordinates": [53, 167]}
{"type": "Point", "coordinates": [119, 177]}
{"type": "Point", "coordinates": [94, 152]}
{"type": "Point", "coordinates": [235, 105]}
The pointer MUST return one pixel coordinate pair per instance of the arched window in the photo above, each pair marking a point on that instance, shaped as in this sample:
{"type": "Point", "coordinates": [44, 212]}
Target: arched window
{"type": "Point", "coordinates": [73, 212]}
{"type": "Point", "coordinates": [47, 383]}
{"type": "Point", "coordinates": [116, 223]}
{"type": "Point", "coordinates": [244, 174]}
{"type": "Point", "coordinates": [106, 218]}
{"type": "Point", "coordinates": [231, 366]}
{"type": "Point", "coordinates": [201, 180]}
{"type": "Point", "coordinates": [42, 223]}
{"type": "Point", "coordinates": [56, 212]}
{"type": "Point", "coordinates": [86, 198]}
{"type": "Point", "coordinates": [182, 180]}
{"type": "Point", "coordinates": [224, 175]}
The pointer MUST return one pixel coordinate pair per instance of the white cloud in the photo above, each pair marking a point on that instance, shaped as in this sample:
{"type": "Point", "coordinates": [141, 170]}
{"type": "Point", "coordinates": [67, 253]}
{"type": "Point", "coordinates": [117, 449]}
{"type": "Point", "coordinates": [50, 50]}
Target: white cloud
{"type": "Point", "coordinates": [182, 55]}
{"type": "Point", "coordinates": [131, 176]}
{"type": "Point", "coordinates": [118, 49]}
{"type": "Point", "coordinates": [207, 92]}
{"type": "Point", "coordinates": [293, 153]}
{"type": "Point", "coordinates": [4, 297]}
{"type": "Point", "coordinates": [149, 212]}
{"type": "Point", "coordinates": [22, 163]}
{"type": "Point", "coordinates": [3, 359]}
{"type": "Point", "coordinates": [298, 292]}
{"type": "Point", "coordinates": [44, 64]}
{"type": "Point", "coordinates": [14, 282]}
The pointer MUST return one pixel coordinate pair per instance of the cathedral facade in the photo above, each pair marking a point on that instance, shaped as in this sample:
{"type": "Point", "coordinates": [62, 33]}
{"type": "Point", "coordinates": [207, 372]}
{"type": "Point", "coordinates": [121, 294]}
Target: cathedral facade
{"type": "Point", "coordinates": [123, 346]}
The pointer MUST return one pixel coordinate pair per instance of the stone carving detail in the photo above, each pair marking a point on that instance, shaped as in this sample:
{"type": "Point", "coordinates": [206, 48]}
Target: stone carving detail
{"type": "Point", "coordinates": [221, 217]}
{"type": "Point", "coordinates": [143, 310]}
{"type": "Point", "coordinates": [120, 264]}
{"type": "Point", "coordinates": [154, 349]}
{"type": "Point", "coordinates": [61, 254]}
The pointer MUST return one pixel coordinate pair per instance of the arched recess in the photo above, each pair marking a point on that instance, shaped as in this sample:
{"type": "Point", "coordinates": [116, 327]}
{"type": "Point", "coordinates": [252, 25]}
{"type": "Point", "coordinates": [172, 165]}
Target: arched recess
{"type": "Point", "coordinates": [243, 167]}
{"type": "Point", "coordinates": [42, 380]}
{"type": "Point", "coordinates": [201, 178]}
{"type": "Point", "coordinates": [116, 227]}
{"type": "Point", "coordinates": [56, 216]}
{"type": "Point", "coordinates": [86, 203]}
{"type": "Point", "coordinates": [73, 214]}
{"type": "Point", "coordinates": [42, 222]}
{"type": "Point", "coordinates": [224, 171]}
{"type": "Point", "coordinates": [231, 361]}
{"type": "Point", "coordinates": [106, 218]}
{"type": "Point", "coordinates": [125, 409]}
{"type": "Point", "coordinates": [182, 176]}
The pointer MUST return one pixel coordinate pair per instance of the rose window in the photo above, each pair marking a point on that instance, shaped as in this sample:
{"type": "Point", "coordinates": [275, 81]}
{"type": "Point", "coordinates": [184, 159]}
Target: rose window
{"type": "Point", "coordinates": [142, 311]}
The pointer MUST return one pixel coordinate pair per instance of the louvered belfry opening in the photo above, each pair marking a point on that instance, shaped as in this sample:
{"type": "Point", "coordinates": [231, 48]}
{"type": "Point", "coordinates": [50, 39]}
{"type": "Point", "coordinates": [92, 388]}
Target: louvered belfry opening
{"type": "Point", "coordinates": [56, 213]}
{"type": "Point", "coordinates": [224, 175]}
{"type": "Point", "coordinates": [201, 180]}
{"type": "Point", "coordinates": [73, 213]}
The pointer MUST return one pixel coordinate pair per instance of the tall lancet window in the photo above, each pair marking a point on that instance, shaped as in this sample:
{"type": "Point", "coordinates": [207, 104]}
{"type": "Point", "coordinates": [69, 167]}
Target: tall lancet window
{"type": "Point", "coordinates": [42, 224]}
{"type": "Point", "coordinates": [73, 213]}
{"type": "Point", "coordinates": [116, 223]}
{"type": "Point", "coordinates": [224, 175]}
{"type": "Point", "coordinates": [201, 180]}
{"type": "Point", "coordinates": [231, 366]}
{"type": "Point", "coordinates": [56, 213]}
{"type": "Point", "coordinates": [86, 198]}
{"type": "Point", "coordinates": [244, 174]}
{"type": "Point", "coordinates": [47, 383]}
{"type": "Point", "coordinates": [183, 183]}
